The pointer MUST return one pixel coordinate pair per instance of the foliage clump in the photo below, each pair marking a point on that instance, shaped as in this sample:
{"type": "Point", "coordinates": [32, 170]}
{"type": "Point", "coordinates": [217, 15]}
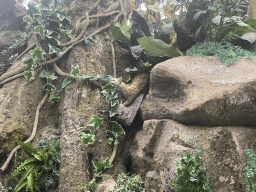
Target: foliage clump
{"type": "Point", "coordinates": [191, 176]}
{"type": "Point", "coordinates": [227, 52]}
{"type": "Point", "coordinates": [42, 163]}
{"type": "Point", "coordinates": [126, 183]}
{"type": "Point", "coordinates": [2, 188]}
{"type": "Point", "coordinates": [250, 171]}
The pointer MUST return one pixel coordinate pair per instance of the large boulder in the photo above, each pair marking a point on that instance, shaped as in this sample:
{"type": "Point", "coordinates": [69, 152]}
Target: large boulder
{"type": "Point", "coordinates": [200, 90]}
{"type": "Point", "coordinates": [159, 145]}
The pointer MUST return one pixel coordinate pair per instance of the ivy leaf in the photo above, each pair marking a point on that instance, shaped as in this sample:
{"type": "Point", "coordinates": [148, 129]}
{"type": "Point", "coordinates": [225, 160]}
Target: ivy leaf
{"type": "Point", "coordinates": [88, 77]}
{"type": "Point", "coordinates": [64, 33]}
{"type": "Point", "coordinates": [87, 40]}
{"type": "Point", "coordinates": [110, 140]}
{"type": "Point", "coordinates": [40, 30]}
{"type": "Point", "coordinates": [37, 52]}
{"type": "Point", "coordinates": [49, 87]}
{"type": "Point", "coordinates": [29, 75]}
{"type": "Point", "coordinates": [86, 137]}
{"type": "Point", "coordinates": [53, 49]}
{"type": "Point", "coordinates": [103, 79]}
{"type": "Point", "coordinates": [66, 82]}
{"type": "Point", "coordinates": [28, 19]}
{"type": "Point", "coordinates": [29, 62]}
{"type": "Point", "coordinates": [94, 183]}
{"type": "Point", "coordinates": [95, 121]}
{"type": "Point", "coordinates": [53, 99]}
{"type": "Point", "coordinates": [74, 72]}
{"type": "Point", "coordinates": [100, 166]}
{"type": "Point", "coordinates": [157, 47]}
{"type": "Point", "coordinates": [48, 75]}
{"type": "Point", "coordinates": [117, 128]}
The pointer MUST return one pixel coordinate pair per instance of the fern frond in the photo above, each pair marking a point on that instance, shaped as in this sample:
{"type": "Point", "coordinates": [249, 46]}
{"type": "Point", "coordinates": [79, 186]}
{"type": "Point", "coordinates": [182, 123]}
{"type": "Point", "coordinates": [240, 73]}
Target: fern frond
{"type": "Point", "coordinates": [29, 186]}
{"type": "Point", "coordinates": [23, 181]}
{"type": "Point", "coordinates": [21, 167]}
{"type": "Point", "coordinates": [27, 148]}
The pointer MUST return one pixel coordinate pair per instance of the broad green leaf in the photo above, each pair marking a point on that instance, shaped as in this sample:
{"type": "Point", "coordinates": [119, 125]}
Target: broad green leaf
{"type": "Point", "coordinates": [100, 166]}
{"type": "Point", "coordinates": [29, 75]}
{"type": "Point", "coordinates": [53, 99]}
{"type": "Point", "coordinates": [157, 47]}
{"type": "Point", "coordinates": [116, 142]}
{"type": "Point", "coordinates": [63, 33]}
{"type": "Point", "coordinates": [95, 121]}
{"type": "Point", "coordinates": [40, 30]}
{"type": "Point", "coordinates": [66, 82]}
{"type": "Point", "coordinates": [103, 79]}
{"type": "Point", "coordinates": [86, 137]}
{"type": "Point", "coordinates": [30, 62]}
{"type": "Point", "coordinates": [48, 75]}
{"type": "Point", "coordinates": [121, 32]}
{"type": "Point", "coordinates": [37, 52]}
{"type": "Point", "coordinates": [110, 140]}
{"type": "Point", "coordinates": [117, 128]}
{"type": "Point", "coordinates": [89, 77]}
{"type": "Point", "coordinates": [74, 72]}
{"type": "Point", "coordinates": [28, 19]}
{"type": "Point", "coordinates": [53, 49]}
{"type": "Point", "coordinates": [49, 87]}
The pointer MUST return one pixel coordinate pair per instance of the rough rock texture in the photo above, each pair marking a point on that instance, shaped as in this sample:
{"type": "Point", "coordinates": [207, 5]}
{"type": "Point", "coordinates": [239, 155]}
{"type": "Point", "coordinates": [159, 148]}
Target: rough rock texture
{"type": "Point", "coordinates": [200, 90]}
{"type": "Point", "coordinates": [125, 115]}
{"type": "Point", "coordinates": [107, 184]}
{"type": "Point", "coordinates": [159, 145]}
{"type": "Point", "coordinates": [11, 21]}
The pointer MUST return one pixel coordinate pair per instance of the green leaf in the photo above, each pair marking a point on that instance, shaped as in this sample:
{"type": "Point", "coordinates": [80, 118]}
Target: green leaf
{"type": "Point", "coordinates": [53, 99]}
{"type": "Point", "coordinates": [95, 121]}
{"type": "Point", "coordinates": [28, 19]}
{"type": "Point", "coordinates": [40, 30]}
{"type": "Point", "coordinates": [74, 72]}
{"type": "Point", "coordinates": [86, 137]}
{"type": "Point", "coordinates": [48, 75]}
{"type": "Point", "coordinates": [121, 32]}
{"type": "Point", "coordinates": [110, 140]}
{"type": "Point", "coordinates": [117, 128]}
{"type": "Point", "coordinates": [37, 52]}
{"type": "Point", "coordinates": [66, 82]}
{"type": "Point", "coordinates": [103, 79]}
{"type": "Point", "coordinates": [64, 33]}
{"type": "Point", "coordinates": [100, 166]}
{"type": "Point", "coordinates": [49, 87]}
{"type": "Point", "coordinates": [87, 40]}
{"type": "Point", "coordinates": [29, 75]}
{"type": "Point", "coordinates": [94, 183]}
{"type": "Point", "coordinates": [89, 77]}
{"type": "Point", "coordinates": [30, 62]}
{"type": "Point", "coordinates": [157, 47]}
{"type": "Point", "coordinates": [53, 49]}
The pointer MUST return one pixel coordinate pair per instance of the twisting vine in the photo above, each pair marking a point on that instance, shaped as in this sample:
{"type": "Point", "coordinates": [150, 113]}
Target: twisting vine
{"type": "Point", "coordinates": [49, 39]}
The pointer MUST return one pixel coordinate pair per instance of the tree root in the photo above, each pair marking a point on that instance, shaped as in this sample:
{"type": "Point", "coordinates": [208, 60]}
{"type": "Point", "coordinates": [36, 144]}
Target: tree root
{"type": "Point", "coordinates": [113, 60]}
{"type": "Point", "coordinates": [131, 91]}
{"type": "Point", "coordinates": [8, 76]}
{"type": "Point", "coordinates": [31, 136]}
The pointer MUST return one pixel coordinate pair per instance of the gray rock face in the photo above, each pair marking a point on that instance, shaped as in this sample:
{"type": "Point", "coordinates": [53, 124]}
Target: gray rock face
{"type": "Point", "coordinates": [11, 22]}
{"type": "Point", "coordinates": [160, 144]}
{"type": "Point", "coordinates": [199, 90]}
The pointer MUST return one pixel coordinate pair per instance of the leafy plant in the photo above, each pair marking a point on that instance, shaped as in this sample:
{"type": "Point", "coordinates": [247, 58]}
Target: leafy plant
{"type": "Point", "coordinates": [50, 23]}
{"type": "Point", "coordinates": [226, 52]}
{"type": "Point", "coordinates": [87, 137]}
{"type": "Point", "coordinates": [191, 176]}
{"type": "Point", "coordinates": [126, 183]}
{"type": "Point", "coordinates": [2, 188]}
{"type": "Point", "coordinates": [250, 171]}
{"type": "Point", "coordinates": [139, 41]}
{"type": "Point", "coordinates": [42, 162]}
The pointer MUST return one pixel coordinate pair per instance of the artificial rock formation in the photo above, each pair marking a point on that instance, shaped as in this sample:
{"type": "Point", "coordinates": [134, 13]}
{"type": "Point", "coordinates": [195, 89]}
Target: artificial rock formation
{"type": "Point", "coordinates": [200, 90]}
{"type": "Point", "coordinates": [159, 145]}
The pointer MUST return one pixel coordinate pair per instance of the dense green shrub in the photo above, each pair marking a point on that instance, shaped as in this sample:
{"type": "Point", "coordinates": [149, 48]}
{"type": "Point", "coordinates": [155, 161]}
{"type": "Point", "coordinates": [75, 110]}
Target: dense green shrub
{"type": "Point", "coordinates": [191, 176]}
{"type": "Point", "coordinates": [250, 171]}
{"type": "Point", "coordinates": [227, 52]}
